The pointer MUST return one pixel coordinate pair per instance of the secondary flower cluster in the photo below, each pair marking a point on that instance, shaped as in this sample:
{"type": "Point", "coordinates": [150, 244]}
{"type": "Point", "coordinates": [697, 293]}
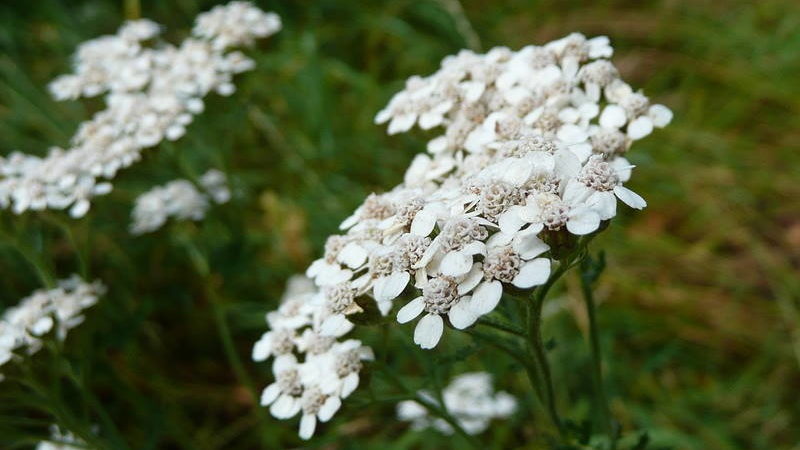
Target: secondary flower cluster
{"type": "Point", "coordinates": [179, 199]}
{"type": "Point", "coordinates": [59, 309]}
{"type": "Point", "coordinates": [531, 156]}
{"type": "Point", "coordinates": [61, 440]}
{"type": "Point", "coordinates": [152, 90]}
{"type": "Point", "coordinates": [469, 398]}
{"type": "Point", "coordinates": [313, 371]}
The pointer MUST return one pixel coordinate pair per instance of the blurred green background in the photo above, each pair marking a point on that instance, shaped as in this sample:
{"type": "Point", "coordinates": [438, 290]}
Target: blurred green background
{"type": "Point", "coordinates": [699, 304]}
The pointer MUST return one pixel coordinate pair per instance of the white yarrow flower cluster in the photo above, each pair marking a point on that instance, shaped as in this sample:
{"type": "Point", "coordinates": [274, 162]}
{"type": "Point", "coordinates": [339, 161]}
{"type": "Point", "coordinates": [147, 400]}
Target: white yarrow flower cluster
{"type": "Point", "coordinates": [531, 154]}
{"type": "Point", "coordinates": [313, 371]}
{"type": "Point", "coordinates": [178, 199]}
{"type": "Point", "coordinates": [60, 309]}
{"type": "Point", "coordinates": [469, 398]}
{"type": "Point", "coordinates": [61, 440]}
{"type": "Point", "coordinates": [152, 91]}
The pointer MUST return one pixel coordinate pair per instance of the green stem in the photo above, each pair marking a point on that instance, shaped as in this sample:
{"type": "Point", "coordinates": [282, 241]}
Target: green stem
{"type": "Point", "coordinates": [81, 253]}
{"type": "Point", "coordinates": [502, 326]}
{"type": "Point", "coordinates": [540, 361]}
{"type": "Point", "coordinates": [536, 344]}
{"type": "Point", "coordinates": [133, 9]}
{"type": "Point", "coordinates": [200, 263]}
{"type": "Point", "coordinates": [33, 258]}
{"type": "Point", "coordinates": [601, 401]}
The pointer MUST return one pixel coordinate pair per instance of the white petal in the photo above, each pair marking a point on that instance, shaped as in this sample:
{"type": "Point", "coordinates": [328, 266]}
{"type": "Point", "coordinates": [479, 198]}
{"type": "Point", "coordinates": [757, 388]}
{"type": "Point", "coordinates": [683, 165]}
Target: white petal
{"type": "Point", "coordinates": [352, 255]}
{"type": "Point", "coordinates": [629, 197]}
{"type": "Point", "coordinates": [456, 264]}
{"type": "Point", "coordinates": [411, 310]}
{"type": "Point", "coordinates": [572, 134]}
{"type": "Point", "coordinates": [329, 408]}
{"type": "Point", "coordinates": [349, 222]}
{"type": "Point", "coordinates": [528, 245]}
{"type": "Point", "coordinates": [308, 423]}
{"type": "Point", "coordinates": [402, 123]}
{"type": "Point", "coordinates": [472, 90]}
{"type": "Point", "coordinates": [510, 221]}
{"type": "Point", "coordinates": [471, 279]}
{"type": "Point", "coordinates": [389, 287]}
{"type": "Point", "coordinates": [42, 326]}
{"type": "Point", "coordinates": [582, 151]}
{"type": "Point", "coordinates": [640, 128]}
{"type": "Point", "coordinates": [661, 115]}
{"type": "Point", "coordinates": [423, 222]}
{"type": "Point", "coordinates": [262, 347]}
{"type": "Point", "coordinates": [532, 273]}
{"type": "Point", "coordinates": [486, 297]}
{"type": "Point", "coordinates": [461, 314]}
{"type": "Point", "coordinates": [335, 325]}
{"type": "Point", "coordinates": [284, 407]}
{"type": "Point", "coordinates": [518, 173]}
{"type": "Point", "coordinates": [583, 221]}
{"type": "Point", "coordinates": [382, 116]}
{"type": "Point", "coordinates": [349, 384]}
{"type": "Point", "coordinates": [613, 117]}
{"type": "Point", "coordinates": [80, 208]}
{"type": "Point", "coordinates": [576, 192]}
{"type": "Point", "coordinates": [283, 362]}
{"type": "Point", "coordinates": [567, 164]}
{"type": "Point", "coordinates": [428, 331]}
{"type": "Point", "coordinates": [437, 145]}
{"type": "Point", "coordinates": [604, 203]}
{"type": "Point", "coordinates": [270, 393]}
{"type": "Point", "coordinates": [384, 307]}
{"type": "Point", "coordinates": [430, 119]}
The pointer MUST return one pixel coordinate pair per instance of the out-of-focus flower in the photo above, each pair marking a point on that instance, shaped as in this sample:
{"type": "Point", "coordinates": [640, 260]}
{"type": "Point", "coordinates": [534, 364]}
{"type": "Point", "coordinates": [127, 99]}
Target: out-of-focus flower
{"type": "Point", "coordinates": [469, 398]}
{"type": "Point", "coordinates": [152, 92]}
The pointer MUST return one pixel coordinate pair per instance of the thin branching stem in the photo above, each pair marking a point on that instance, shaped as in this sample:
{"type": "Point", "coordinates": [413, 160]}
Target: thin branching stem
{"type": "Point", "coordinates": [437, 410]}
{"type": "Point", "coordinates": [601, 398]}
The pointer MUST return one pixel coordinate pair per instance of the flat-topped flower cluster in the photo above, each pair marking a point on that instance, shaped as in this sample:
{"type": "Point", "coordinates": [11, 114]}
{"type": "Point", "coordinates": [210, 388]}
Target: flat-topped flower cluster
{"type": "Point", "coordinates": [470, 400]}
{"type": "Point", "coordinates": [59, 309]}
{"type": "Point", "coordinates": [179, 199]}
{"type": "Point", "coordinates": [152, 90]}
{"type": "Point", "coordinates": [532, 153]}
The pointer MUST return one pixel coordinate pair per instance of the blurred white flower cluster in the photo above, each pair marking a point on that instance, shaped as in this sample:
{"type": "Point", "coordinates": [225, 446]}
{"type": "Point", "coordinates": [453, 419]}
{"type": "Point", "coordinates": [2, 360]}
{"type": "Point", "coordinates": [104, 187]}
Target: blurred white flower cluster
{"type": "Point", "coordinates": [532, 155]}
{"type": "Point", "coordinates": [327, 369]}
{"type": "Point", "coordinates": [59, 310]}
{"type": "Point", "coordinates": [179, 199]}
{"type": "Point", "coordinates": [469, 398]}
{"type": "Point", "coordinates": [152, 90]}
{"type": "Point", "coordinates": [61, 440]}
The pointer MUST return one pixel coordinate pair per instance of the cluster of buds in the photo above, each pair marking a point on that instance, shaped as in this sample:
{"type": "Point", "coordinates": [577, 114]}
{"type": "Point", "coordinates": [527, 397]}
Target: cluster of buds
{"type": "Point", "coordinates": [152, 91]}
{"type": "Point", "coordinates": [532, 155]}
